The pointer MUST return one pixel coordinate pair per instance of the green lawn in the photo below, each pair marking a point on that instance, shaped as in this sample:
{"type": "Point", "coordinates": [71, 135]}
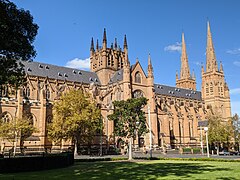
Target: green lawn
{"type": "Point", "coordinates": [157, 169]}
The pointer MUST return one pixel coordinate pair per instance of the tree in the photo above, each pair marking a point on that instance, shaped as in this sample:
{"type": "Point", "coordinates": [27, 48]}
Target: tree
{"type": "Point", "coordinates": [236, 128]}
{"type": "Point", "coordinates": [219, 131]}
{"type": "Point", "coordinates": [19, 128]}
{"type": "Point", "coordinates": [17, 33]}
{"type": "Point", "coordinates": [129, 119]}
{"type": "Point", "coordinates": [75, 117]}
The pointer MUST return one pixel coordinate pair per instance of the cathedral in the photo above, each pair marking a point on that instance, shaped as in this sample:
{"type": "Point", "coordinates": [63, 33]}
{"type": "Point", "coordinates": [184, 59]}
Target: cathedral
{"type": "Point", "coordinates": [172, 113]}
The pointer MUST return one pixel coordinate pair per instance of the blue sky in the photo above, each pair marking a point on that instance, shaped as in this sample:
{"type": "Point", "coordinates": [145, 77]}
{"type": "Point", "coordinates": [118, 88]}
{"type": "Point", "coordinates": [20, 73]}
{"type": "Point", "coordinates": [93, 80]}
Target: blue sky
{"type": "Point", "coordinates": [151, 26]}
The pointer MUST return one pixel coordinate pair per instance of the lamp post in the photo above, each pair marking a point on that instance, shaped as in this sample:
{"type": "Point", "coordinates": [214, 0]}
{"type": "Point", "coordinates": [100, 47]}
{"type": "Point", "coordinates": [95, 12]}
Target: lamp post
{"type": "Point", "coordinates": [150, 131]}
{"type": "Point", "coordinates": [201, 139]}
{"type": "Point", "coordinates": [206, 131]}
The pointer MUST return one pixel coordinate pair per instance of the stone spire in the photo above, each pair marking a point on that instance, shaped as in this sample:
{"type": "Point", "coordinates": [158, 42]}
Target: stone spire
{"type": "Point", "coordinates": [221, 67]}
{"type": "Point", "coordinates": [92, 45]}
{"type": "Point", "coordinates": [186, 80]}
{"type": "Point", "coordinates": [185, 73]}
{"type": "Point", "coordinates": [125, 42]}
{"type": "Point", "coordinates": [211, 63]}
{"type": "Point", "coordinates": [126, 51]}
{"type": "Point", "coordinates": [150, 68]}
{"type": "Point", "coordinates": [104, 39]}
{"type": "Point", "coordinates": [115, 44]}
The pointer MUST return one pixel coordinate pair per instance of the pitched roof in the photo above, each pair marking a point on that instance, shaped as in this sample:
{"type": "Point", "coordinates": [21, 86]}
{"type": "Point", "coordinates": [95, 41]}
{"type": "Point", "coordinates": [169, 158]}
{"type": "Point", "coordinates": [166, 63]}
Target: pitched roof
{"type": "Point", "coordinates": [118, 76]}
{"type": "Point", "coordinates": [177, 92]}
{"type": "Point", "coordinates": [60, 72]}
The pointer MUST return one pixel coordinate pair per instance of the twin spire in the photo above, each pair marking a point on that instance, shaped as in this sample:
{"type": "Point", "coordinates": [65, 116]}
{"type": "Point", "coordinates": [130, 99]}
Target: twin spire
{"type": "Point", "coordinates": [211, 63]}
{"type": "Point", "coordinates": [186, 80]}
{"type": "Point", "coordinates": [185, 72]}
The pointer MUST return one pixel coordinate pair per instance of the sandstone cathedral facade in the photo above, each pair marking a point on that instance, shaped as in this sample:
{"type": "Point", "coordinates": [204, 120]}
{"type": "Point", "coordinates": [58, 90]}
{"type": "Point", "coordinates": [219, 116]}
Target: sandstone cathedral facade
{"type": "Point", "coordinates": [174, 112]}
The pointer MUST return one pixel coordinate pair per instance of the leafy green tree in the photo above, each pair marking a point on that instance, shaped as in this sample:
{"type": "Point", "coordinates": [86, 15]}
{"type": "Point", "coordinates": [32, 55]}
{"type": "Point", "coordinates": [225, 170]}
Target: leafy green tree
{"type": "Point", "coordinates": [219, 130]}
{"type": "Point", "coordinates": [236, 128]}
{"type": "Point", "coordinates": [19, 128]}
{"type": "Point", "coordinates": [76, 117]}
{"type": "Point", "coordinates": [17, 33]}
{"type": "Point", "coordinates": [129, 119]}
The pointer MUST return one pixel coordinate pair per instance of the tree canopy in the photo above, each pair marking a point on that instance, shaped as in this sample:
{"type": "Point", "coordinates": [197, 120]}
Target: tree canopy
{"type": "Point", "coordinates": [76, 117]}
{"type": "Point", "coordinates": [17, 33]}
{"type": "Point", "coordinates": [129, 116]}
{"type": "Point", "coordinates": [129, 119]}
{"type": "Point", "coordinates": [20, 128]}
{"type": "Point", "coordinates": [219, 130]}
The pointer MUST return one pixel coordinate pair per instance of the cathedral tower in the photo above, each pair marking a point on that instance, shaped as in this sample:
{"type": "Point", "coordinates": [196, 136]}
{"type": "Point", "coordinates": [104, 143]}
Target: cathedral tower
{"type": "Point", "coordinates": [186, 80]}
{"type": "Point", "coordinates": [215, 90]}
{"type": "Point", "coordinates": [106, 61]}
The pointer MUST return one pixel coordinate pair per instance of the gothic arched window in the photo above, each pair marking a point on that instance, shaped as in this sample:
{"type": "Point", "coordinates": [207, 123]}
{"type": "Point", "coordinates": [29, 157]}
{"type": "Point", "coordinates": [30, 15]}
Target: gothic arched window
{"type": "Point", "coordinates": [138, 94]}
{"type": "Point", "coordinates": [138, 77]}
{"type": "Point", "coordinates": [26, 92]}
{"type": "Point", "coordinates": [48, 94]}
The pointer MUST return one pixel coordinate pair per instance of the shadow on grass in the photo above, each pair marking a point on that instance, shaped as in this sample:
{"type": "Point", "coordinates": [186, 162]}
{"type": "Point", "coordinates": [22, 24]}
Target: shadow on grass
{"type": "Point", "coordinates": [133, 170]}
{"type": "Point", "coordinates": [125, 170]}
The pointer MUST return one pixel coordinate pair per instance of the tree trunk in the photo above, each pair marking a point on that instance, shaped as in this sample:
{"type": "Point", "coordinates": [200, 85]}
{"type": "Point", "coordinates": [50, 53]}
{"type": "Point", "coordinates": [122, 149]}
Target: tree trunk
{"type": "Point", "coordinates": [130, 149]}
{"type": "Point", "coordinates": [75, 148]}
{"type": "Point", "coordinates": [218, 149]}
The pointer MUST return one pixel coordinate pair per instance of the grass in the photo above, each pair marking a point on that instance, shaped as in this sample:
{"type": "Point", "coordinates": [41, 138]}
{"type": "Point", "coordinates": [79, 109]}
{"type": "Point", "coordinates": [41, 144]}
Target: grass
{"type": "Point", "coordinates": [155, 169]}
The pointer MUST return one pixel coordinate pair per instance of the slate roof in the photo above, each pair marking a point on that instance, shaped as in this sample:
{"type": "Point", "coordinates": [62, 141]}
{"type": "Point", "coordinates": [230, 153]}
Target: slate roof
{"type": "Point", "coordinates": [177, 92]}
{"type": "Point", "coordinates": [60, 72]}
{"type": "Point", "coordinates": [118, 76]}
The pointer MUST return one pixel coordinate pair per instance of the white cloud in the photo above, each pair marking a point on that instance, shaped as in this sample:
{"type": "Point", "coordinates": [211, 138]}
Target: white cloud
{"type": "Point", "coordinates": [235, 91]}
{"type": "Point", "coordinates": [174, 47]}
{"type": "Point", "coordinates": [79, 63]}
{"type": "Point", "coordinates": [236, 63]}
{"type": "Point", "coordinates": [234, 51]}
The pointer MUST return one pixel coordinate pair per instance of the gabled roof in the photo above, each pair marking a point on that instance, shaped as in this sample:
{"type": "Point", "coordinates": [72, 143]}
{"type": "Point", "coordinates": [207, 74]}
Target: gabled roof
{"type": "Point", "coordinates": [118, 76]}
{"type": "Point", "coordinates": [135, 65]}
{"type": "Point", "coordinates": [59, 72]}
{"type": "Point", "coordinates": [177, 92]}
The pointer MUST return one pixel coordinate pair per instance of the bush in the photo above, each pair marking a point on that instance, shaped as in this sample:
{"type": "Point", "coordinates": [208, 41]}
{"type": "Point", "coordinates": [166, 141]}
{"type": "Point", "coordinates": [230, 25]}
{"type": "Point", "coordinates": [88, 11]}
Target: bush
{"type": "Point", "coordinates": [196, 150]}
{"type": "Point", "coordinates": [36, 163]}
{"type": "Point", "coordinates": [187, 150]}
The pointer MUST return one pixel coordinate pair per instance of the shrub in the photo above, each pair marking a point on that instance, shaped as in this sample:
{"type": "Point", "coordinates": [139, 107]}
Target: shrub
{"type": "Point", "coordinates": [36, 163]}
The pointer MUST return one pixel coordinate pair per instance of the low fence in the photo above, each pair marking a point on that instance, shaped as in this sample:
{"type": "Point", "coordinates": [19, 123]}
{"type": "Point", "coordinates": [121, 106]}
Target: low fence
{"type": "Point", "coordinates": [36, 163]}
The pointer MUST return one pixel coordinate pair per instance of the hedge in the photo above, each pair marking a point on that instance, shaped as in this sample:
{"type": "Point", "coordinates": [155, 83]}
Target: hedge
{"type": "Point", "coordinates": [36, 163]}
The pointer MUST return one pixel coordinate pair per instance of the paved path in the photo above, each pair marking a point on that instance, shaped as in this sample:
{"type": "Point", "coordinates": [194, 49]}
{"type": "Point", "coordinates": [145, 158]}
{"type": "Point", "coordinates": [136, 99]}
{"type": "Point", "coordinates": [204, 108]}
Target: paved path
{"type": "Point", "coordinates": [158, 154]}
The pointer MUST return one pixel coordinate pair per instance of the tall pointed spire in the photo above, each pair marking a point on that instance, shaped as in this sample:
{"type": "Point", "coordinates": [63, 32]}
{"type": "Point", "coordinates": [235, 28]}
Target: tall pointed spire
{"type": "Point", "coordinates": [126, 51]}
{"type": "Point", "coordinates": [185, 80]}
{"type": "Point", "coordinates": [185, 73]}
{"type": "Point", "coordinates": [221, 67]}
{"type": "Point", "coordinates": [115, 43]}
{"type": "Point", "coordinates": [92, 45]}
{"type": "Point", "coordinates": [125, 42]}
{"type": "Point", "coordinates": [150, 68]}
{"type": "Point", "coordinates": [211, 63]}
{"type": "Point", "coordinates": [104, 39]}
